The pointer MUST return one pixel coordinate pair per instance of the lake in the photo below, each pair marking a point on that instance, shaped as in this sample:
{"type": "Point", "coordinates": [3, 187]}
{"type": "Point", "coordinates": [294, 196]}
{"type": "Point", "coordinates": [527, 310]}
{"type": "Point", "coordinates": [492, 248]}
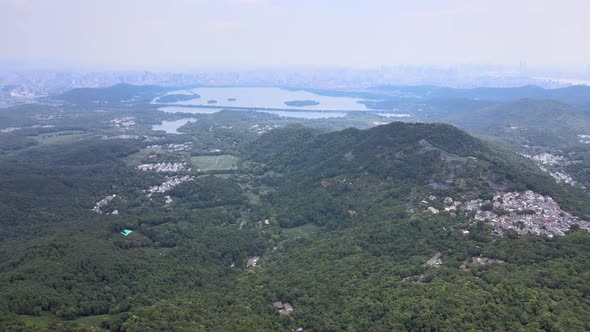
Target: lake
{"type": "Point", "coordinates": [171, 127]}
{"type": "Point", "coordinates": [268, 97]}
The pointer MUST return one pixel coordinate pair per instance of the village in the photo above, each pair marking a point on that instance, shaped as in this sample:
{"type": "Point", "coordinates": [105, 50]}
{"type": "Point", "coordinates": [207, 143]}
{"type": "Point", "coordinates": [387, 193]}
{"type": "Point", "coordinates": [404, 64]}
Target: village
{"type": "Point", "coordinates": [258, 129]}
{"type": "Point", "coordinates": [164, 167]}
{"type": "Point", "coordinates": [168, 184]}
{"type": "Point", "coordinates": [584, 139]}
{"type": "Point", "coordinates": [562, 177]}
{"type": "Point", "coordinates": [98, 207]}
{"type": "Point", "coordinates": [12, 129]}
{"type": "Point", "coordinates": [524, 213]}
{"type": "Point", "coordinates": [143, 138]}
{"type": "Point", "coordinates": [548, 159]}
{"type": "Point", "coordinates": [124, 122]}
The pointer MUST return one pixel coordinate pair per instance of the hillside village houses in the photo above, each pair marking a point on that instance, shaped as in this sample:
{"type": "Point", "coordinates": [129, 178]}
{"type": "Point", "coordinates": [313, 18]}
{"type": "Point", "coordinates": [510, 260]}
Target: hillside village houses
{"type": "Point", "coordinates": [173, 147]}
{"type": "Point", "coordinates": [584, 139]}
{"type": "Point", "coordinates": [546, 158]}
{"type": "Point", "coordinates": [102, 203]}
{"type": "Point", "coordinates": [124, 122]}
{"type": "Point", "coordinates": [164, 167]}
{"type": "Point", "coordinates": [524, 212]}
{"type": "Point", "coordinates": [170, 183]}
{"type": "Point", "coordinates": [284, 308]}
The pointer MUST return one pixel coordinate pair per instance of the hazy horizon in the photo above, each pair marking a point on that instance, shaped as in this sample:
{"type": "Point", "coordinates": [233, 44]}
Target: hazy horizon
{"type": "Point", "coordinates": [254, 34]}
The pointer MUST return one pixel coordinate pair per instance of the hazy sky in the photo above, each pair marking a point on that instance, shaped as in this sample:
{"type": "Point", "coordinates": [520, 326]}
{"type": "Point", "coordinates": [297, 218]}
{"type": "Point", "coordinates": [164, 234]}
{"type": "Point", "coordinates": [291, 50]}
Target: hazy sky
{"type": "Point", "coordinates": [264, 33]}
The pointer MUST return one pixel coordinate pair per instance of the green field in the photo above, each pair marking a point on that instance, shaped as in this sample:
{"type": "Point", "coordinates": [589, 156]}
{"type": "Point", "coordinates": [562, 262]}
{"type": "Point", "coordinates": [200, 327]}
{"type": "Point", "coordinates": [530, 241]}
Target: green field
{"type": "Point", "coordinates": [215, 163]}
{"type": "Point", "coordinates": [137, 158]}
{"type": "Point", "coordinates": [304, 231]}
{"type": "Point", "coordinates": [59, 137]}
{"type": "Point", "coordinates": [37, 323]}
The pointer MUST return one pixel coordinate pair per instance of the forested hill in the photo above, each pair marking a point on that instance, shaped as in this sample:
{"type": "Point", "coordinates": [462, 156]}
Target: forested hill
{"type": "Point", "coordinates": [429, 155]}
{"type": "Point", "coordinates": [525, 121]}
{"type": "Point", "coordinates": [116, 94]}
{"type": "Point", "coordinates": [298, 147]}
{"type": "Point", "coordinates": [574, 94]}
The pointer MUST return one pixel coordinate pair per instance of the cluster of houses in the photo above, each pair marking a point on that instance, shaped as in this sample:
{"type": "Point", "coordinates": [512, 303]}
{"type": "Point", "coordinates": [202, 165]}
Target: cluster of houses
{"type": "Point", "coordinates": [525, 213]}
{"type": "Point", "coordinates": [562, 177]}
{"type": "Point", "coordinates": [546, 158]}
{"type": "Point", "coordinates": [102, 203]}
{"type": "Point", "coordinates": [164, 167]}
{"type": "Point", "coordinates": [11, 129]}
{"type": "Point", "coordinates": [170, 183]}
{"type": "Point", "coordinates": [584, 139]}
{"type": "Point", "coordinates": [258, 129]}
{"type": "Point", "coordinates": [283, 308]}
{"type": "Point", "coordinates": [451, 206]}
{"type": "Point", "coordinates": [124, 122]}
{"type": "Point", "coordinates": [135, 137]}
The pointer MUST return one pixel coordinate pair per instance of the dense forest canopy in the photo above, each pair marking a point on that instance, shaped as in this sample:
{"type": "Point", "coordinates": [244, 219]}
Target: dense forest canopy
{"type": "Point", "coordinates": [246, 221]}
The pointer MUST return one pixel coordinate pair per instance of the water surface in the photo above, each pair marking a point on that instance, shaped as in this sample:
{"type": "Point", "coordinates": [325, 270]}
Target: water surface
{"type": "Point", "coordinates": [267, 97]}
{"type": "Point", "coordinates": [171, 127]}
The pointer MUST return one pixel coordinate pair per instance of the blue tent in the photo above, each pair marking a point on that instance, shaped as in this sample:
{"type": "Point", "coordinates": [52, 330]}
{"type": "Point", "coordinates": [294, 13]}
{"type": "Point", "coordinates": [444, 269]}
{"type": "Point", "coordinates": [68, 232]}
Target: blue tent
{"type": "Point", "coordinates": [126, 232]}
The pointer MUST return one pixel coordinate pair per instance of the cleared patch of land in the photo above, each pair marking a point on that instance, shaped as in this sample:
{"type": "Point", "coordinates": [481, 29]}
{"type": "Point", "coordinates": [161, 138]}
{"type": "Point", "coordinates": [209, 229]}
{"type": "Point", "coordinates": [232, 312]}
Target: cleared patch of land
{"type": "Point", "coordinates": [215, 163]}
{"type": "Point", "coordinates": [253, 198]}
{"type": "Point", "coordinates": [304, 231]}
{"type": "Point", "coordinates": [137, 158]}
{"type": "Point", "coordinates": [59, 137]}
{"type": "Point", "coordinates": [37, 323]}
{"type": "Point", "coordinates": [43, 322]}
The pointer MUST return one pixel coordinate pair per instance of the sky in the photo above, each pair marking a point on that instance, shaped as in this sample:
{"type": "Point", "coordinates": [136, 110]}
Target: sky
{"type": "Point", "coordinates": [192, 34]}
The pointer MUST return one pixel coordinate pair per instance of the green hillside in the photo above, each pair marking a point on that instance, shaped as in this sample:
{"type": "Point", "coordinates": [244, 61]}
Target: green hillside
{"type": "Point", "coordinates": [357, 230]}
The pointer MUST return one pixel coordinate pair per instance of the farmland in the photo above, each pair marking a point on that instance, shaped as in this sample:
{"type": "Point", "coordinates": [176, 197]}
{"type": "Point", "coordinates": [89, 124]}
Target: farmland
{"type": "Point", "coordinates": [215, 163]}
